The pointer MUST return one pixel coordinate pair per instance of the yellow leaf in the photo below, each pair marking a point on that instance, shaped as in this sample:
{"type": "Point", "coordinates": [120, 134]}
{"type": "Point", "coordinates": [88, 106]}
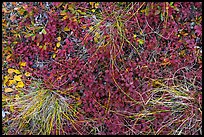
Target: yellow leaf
{"type": "Point", "coordinates": [141, 32]}
{"type": "Point", "coordinates": [10, 71]}
{"type": "Point", "coordinates": [91, 28]}
{"type": "Point", "coordinates": [21, 11]}
{"type": "Point", "coordinates": [65, 17]}
{"type": "Point", "coordinates": [28, 35]}
{"type": "Point", "coordinates": [156, 83]}
{"type": "Point", "coordinates": [70, 7]}
{"type": "Point", "coordinates": [27, 74]}
{"type": "Point", "coordinates": [59, 38]}
{"type": "Point", "coordinates": [54, 55]}
{"type": "Point", "coordinates": [96, 5]}
{"type": "Point", "coordinates": [6, 78]}
{"type": "Point", "coordinates": [44, 47]}
{"type": "Point", "coordinates": [11, 82]}
{"type": "Point", "coordinates": [17, 71]}
{"type": "Point", "coordinates": [63, 12]}
{"type": "Point", "coordinates": [20, 84]}
{"type": "Point", "coordinates": [182, 53]}
{"type": "Point", "coordinates": [140, 41]}
{"type": "Point", "coordinates": [93, 10]}
{"type": "Point", "coordinates": [97, 35]}
{"type": "Point", "coordinates": [22, 64]}
{"type": "Point", "coordinates": [75, 20]}
{"type": "Point", "coordinates": [4, 98]}
{"type": "Point", "coordinates": [92, 4]}
{"type": "Point", "coordinates": [16, 96]}
{"type": "Point", "coordinates": [83, 13]}
{"type": "Point", "coordinates": [8, 90]}
{"type": "Point", "coordinates": [58, 44]}
{"type": "Point", "coordinates": [33, 38]}
{"type": "Point", "coordinates": [11, 108]}
{"type": "Point", "coordinates": [44, 31]}
{"type": "Point", "coordinates": [79, 11]}
{"type": "Point", "coordinates": [66, 29]}
{"type": "Point", "coordinates": [95, 39]}
{"type": "Point", "coordinates": [17, 78]}
{"type": "Point", "coordinates": [15, 42]}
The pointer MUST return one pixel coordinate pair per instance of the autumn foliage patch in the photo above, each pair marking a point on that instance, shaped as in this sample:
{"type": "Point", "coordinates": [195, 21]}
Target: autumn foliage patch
{"type": "Point", "coordinates": [102, 67]}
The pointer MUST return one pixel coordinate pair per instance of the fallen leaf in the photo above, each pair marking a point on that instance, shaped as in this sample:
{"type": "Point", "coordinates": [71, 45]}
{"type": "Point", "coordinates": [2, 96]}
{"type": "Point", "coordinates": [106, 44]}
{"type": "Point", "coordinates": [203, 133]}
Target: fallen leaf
{"type": "Point", "coordinates": [44, 31]}
{"type": "Point", "coordinates": [20, 84]}
{"type": "Point", "coordinates": [33, 38]}
{"type": "Point", "coordinates": [63, 12]}
{"type": "Point", "coordinates": [97, 35]}
{"type": "Point", "coordinates": [13, 17]}
{"type": "Point", "coordinates": [93, 10]}
{"type": "Point", "coordinates": [22, 64]}
{"type": "Point", "coordinates": [17, 71]}
{"type": "Point", "coordinates": [11, 82]}
{"type": "Point", "coordinates": [140, 41]}
{"type": "Point", "coordinates": [12, 108]}
{"type": "Point", "coordinates": [84, 27]}
{"type": "Point", "coordinates": [54, 55]}
{"type": "Point", "coordinates": [70, 7]}
{"type": "Point", "coordinates": [92, 4]}
{"type": "Point", "coordinates": [91, 28]}
{"type": "Point", "coordinates": [96, 5]}
{"type": "Point", "coordinates": [8, 90]}
{"type": "Point", "coordinates": [17, 78]}
{"type": "Point", "coordinates": [21, 11]}
{"type": "Point", "coordinates": [59, 38]}
{"type": "Point", "coordinates": [44, 47]}
{"type": "Point", "coordinates": [58, 44]}
{"type": "Point", "coordinates": [95, 39]}
{"type": "Point", "coordinates": [27, 74]}
{"type": "Point", "coordinates": [66, 29]}
{"type": "Point", "coordinates": [6, 78]}
{"type": "Point", "coordinates": [10, 71]}
{"type": "Point", "coordinates": [65, 17]}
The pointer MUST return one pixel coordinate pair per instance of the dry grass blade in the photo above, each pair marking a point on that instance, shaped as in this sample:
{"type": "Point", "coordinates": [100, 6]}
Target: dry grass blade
{"type": "Point", "coordinates": [42, 112]}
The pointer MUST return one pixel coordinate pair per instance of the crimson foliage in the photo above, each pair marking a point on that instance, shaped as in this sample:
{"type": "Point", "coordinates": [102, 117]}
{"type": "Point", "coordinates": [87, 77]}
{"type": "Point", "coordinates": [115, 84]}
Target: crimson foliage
{"type": "Point", "coordinates": [145, 42]}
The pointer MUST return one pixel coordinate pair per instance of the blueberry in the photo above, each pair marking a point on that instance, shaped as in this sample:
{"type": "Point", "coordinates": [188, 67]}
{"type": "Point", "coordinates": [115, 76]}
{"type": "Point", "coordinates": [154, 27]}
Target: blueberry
{"type": "Point", "coordinates": [50, 53]}
{"type": "Point", "coordinates": [34, 66]}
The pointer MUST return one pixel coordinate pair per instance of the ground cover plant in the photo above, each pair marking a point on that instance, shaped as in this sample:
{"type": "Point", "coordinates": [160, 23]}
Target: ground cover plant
{"type": "Point", "coordinates": [102, 68]}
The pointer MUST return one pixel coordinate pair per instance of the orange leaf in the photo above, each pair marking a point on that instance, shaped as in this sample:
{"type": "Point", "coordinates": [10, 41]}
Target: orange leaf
{"type": "Point", "coordinates": [13, 17]}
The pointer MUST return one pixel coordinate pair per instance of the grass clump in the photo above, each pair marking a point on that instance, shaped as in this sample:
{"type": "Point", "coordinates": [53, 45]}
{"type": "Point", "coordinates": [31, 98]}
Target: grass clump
{"type": "Point", "coordinates": [41, 111]}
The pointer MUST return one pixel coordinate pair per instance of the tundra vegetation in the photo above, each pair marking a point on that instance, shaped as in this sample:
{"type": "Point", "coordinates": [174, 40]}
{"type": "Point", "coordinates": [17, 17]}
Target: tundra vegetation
{"type": "Point", "coordinates": [102, 68]}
